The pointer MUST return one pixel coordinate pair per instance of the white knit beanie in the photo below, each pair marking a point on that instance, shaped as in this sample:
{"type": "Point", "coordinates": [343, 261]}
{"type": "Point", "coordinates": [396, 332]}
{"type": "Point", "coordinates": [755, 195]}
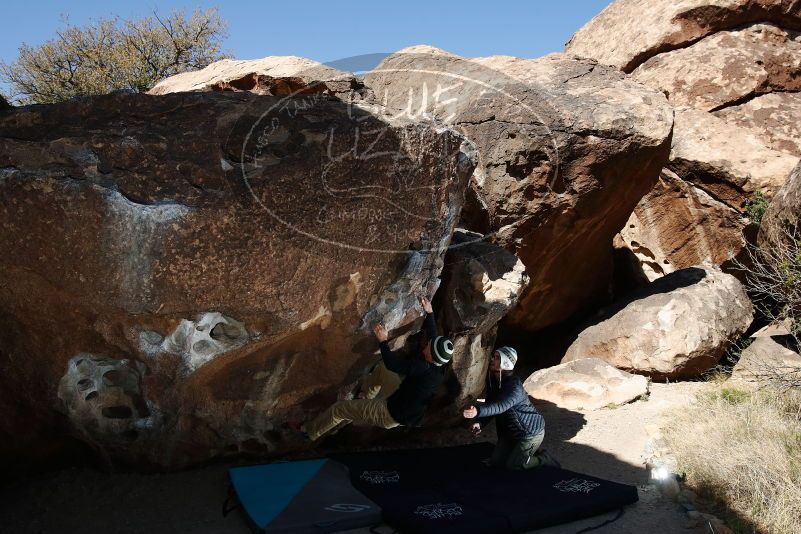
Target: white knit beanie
{"type": "Point", "coordinates": [508, 358]}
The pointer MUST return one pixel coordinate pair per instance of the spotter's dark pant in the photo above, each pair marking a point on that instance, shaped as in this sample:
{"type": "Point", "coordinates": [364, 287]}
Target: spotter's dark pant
{"type": "Point", "coordinates": [514, 454]}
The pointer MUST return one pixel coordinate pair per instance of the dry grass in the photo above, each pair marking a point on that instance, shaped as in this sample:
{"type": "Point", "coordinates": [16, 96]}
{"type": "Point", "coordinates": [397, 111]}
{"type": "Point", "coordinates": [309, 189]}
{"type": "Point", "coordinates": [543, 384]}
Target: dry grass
{"type": "Point", "coordinates": [743, 448]}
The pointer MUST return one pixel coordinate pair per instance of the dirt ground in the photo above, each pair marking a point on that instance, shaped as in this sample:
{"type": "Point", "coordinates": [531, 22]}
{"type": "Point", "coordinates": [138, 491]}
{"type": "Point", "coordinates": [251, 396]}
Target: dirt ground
{"type": "Point", "coordinates": [608, 443]}
{"type": "Point", "coordinates": [611, 443]}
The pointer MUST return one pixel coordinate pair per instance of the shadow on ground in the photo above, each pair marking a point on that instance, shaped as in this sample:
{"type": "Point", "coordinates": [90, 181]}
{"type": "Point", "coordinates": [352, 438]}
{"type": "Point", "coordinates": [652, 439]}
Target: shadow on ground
{"type": "Point", "coordinates": [83, 500]}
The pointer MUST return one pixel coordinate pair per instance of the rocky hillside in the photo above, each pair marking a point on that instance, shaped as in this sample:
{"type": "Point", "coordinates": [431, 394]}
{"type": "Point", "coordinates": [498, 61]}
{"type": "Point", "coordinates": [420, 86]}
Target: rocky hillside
{"type": "Point", "coordinates": [733, 71]}
{"type": "Point", "coordinates": [188, 270]}
{"type": "Point", "coordinates": [194, 267]}
{"type": "Point", "coordinates": [565, 148]}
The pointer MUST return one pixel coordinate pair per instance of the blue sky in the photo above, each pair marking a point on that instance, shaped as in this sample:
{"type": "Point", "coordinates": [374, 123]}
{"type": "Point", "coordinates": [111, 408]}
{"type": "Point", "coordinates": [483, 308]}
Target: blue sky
{"type": "Point", "coordinates": [327, 31]}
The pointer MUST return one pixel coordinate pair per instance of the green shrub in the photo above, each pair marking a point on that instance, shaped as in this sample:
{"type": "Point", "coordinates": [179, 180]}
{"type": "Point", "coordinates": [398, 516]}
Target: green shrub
{"type": "Point", "coordinates": [734, 396]}
{"type": "Point", "coordinates": [756, 206]}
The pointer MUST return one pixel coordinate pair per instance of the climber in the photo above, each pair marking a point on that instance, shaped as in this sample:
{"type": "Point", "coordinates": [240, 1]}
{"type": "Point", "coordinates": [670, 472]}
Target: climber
{"type": "Point", "coordinates": [519, 426]}
{"type": "Point", "coordinates": [422, 373]}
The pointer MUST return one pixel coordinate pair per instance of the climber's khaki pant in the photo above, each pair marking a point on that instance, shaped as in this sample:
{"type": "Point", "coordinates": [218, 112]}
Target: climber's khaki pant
{"type": "Point", "coordinates": [371, 410]}
{"type": "Point", "coordinates": [380, 383]}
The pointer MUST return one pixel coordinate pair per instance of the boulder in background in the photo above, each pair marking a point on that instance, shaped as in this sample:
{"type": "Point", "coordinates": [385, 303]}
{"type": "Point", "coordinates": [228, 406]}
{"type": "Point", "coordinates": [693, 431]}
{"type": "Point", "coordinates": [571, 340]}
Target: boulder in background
{"type": "Point", "coordinates": [585, 384]}
{"type": "Point", "coordinates": [481, 283]}
{"type": "Point", "coordinates": [676, 327]}
{"type": "Point", "coordinates": [272, 75]}
{"type": "Point", "coordinates": [566, 148]}
{"type": "Point", "coordinates": [629, 32]}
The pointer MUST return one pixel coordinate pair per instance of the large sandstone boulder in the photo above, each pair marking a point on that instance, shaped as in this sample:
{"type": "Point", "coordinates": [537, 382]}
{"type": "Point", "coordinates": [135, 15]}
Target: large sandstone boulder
{"type": "Point", "coordinates": [567, 148]}
{"type": "Point", "coordinates": [272, 75]}
{"type": "Point", "coordinates": [629, 32]}
{"type": "Point", "coordinates": [481, 282]}
{"type": "Point", "coordinates": [579, 165]}
{"type": "Point", "coordinates": [696, 212]}
{"type": "Point", "coordinates": [766, 359]}
{"type": "Point", "coordinates": [727, 162]}
{"type": "Point", "coordinates": [677, 225]}
{"type": "Point", "coordinates": [784, 212]}
{"type": "Point", "coordinates": [585, 384]}
{"type": "Point", "coordinates": [773, 118]}
{"type": "Point", "coordinates": [739, 59]}
{"type": "Point", "coordinates": [727, 68]}
{"type": "Point", "coordinates": [776, 328]}
{"type": "Point", "coordinates": [677, 327]}
{"type": "Point", "coordinates": [183, 273]}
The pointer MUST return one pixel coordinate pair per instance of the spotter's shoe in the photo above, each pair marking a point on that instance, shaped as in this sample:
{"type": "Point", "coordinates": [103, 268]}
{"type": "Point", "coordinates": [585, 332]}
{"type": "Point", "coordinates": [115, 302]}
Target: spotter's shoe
{"type": "Point", "coordinates": [547, 459]}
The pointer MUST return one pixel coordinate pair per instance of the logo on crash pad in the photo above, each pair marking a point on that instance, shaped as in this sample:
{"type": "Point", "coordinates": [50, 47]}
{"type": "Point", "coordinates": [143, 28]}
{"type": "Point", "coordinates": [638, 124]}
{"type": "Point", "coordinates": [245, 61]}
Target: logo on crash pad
{"type": "Point", "coordinates": [344, 507]}
{"type": "Point", "coordinates": [439, 510]}
{"type": "Point", "coordinates": [380, 477]}
{"type": "Point", "coordinates": [576, 485]}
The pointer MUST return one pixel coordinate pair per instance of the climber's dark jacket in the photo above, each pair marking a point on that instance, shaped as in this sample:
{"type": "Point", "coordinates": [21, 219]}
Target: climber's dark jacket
{"type": "Point", "coordinates": [507, 402]}
{"type": "Point", "coordinates": [420, 383]}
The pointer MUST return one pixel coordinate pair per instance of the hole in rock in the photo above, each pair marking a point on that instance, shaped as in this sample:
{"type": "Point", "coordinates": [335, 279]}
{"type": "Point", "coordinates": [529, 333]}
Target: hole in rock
{"type": "Point", "coordinates": [245, 84]}
{"type": "Point", "coordinates": [117, 412]}
{"type": "Point", "coordinates": [92, 395]}
{"type": "Point", "coordinates": [84, 384]}
{"type": "Point", "coordinates": [112, 378]}
{"type": "Point", "coordinates": [224, 331]}
{"type": "Point", "coordinates": [202, 347]}
{"type": "Point", "coordinates": [272, 435]}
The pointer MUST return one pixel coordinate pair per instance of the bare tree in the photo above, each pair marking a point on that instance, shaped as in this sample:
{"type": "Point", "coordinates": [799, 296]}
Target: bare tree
{"type": "Point", "coordinates": [113, 54]}
{"type": "Point", "coordinates": [773, 279]}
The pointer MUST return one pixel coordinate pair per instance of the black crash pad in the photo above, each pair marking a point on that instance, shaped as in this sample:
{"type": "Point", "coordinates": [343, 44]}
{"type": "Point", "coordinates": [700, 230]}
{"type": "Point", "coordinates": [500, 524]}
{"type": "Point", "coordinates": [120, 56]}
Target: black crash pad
{"type": "Point", "coordinates": [449, 490]}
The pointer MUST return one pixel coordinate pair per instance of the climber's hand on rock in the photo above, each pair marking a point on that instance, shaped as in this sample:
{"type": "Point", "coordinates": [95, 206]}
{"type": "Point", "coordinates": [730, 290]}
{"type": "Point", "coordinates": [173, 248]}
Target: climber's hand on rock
{"type": "Point", "coordinates": [380, 332]}
{"type": "Point", "coordinates": [476, 429]}
{"type": "Point", "coordinates": [470, 412]}
{"type": "Point", "coordinates": [426, 305]}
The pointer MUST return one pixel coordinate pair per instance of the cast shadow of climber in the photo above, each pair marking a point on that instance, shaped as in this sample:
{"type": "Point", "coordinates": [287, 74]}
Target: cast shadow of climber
{"type": "Point", "coordinates": [561, 425]}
